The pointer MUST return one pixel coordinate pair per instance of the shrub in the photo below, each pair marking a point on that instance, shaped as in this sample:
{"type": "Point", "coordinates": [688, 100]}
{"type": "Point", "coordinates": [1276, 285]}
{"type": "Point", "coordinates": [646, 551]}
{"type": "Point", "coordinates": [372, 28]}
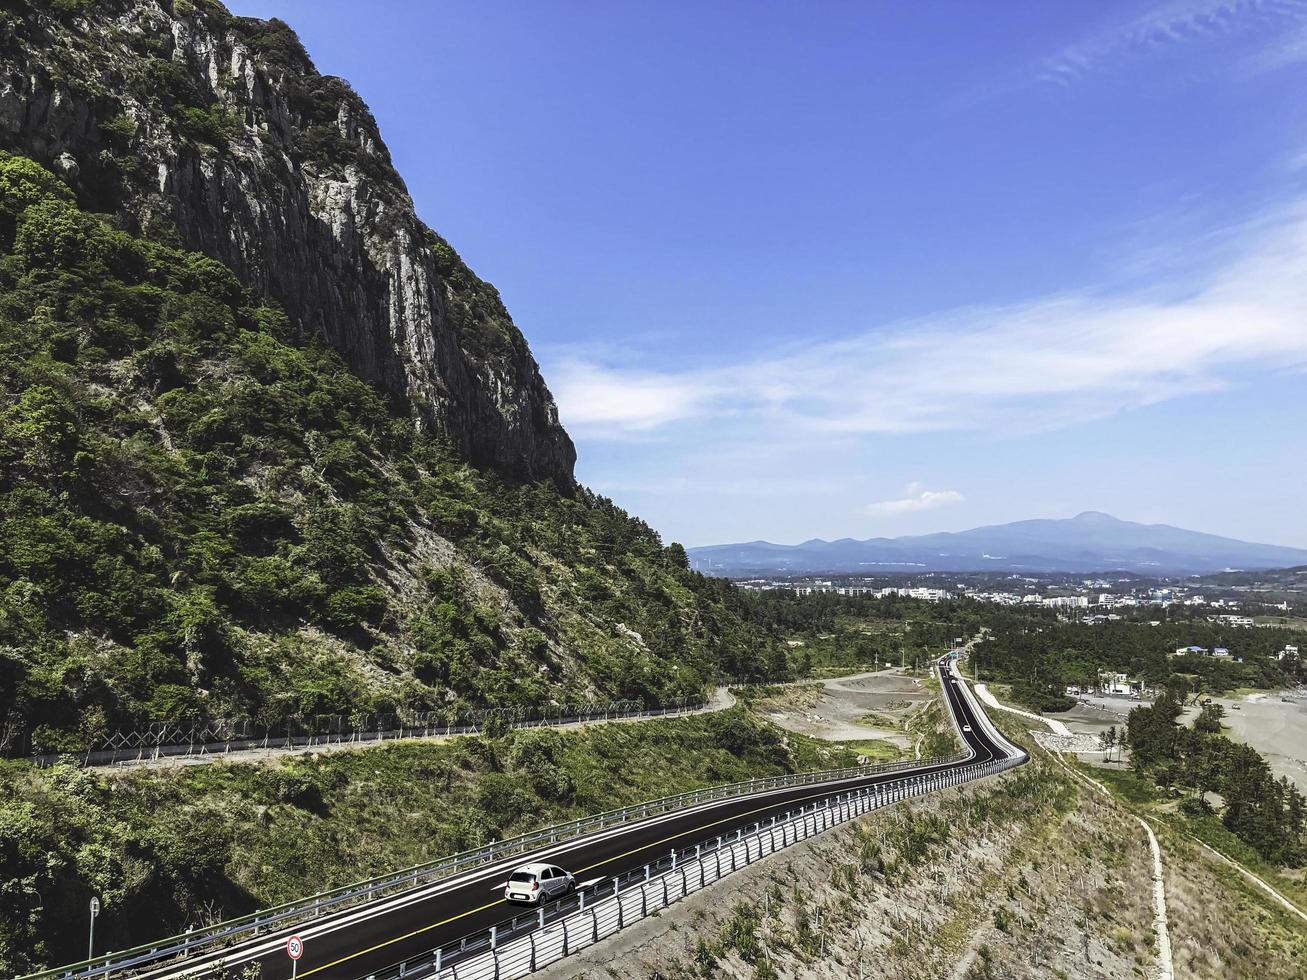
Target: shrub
{"type": "Point", "coordinates": [355, 605]}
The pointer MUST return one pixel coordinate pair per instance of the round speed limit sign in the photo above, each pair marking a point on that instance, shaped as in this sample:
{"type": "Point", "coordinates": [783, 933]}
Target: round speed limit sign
{"type": "Point", "coordinates": [294, 947]}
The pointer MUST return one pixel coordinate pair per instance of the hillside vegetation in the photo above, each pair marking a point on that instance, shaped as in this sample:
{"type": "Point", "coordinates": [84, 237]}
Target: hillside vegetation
{"type": "Point", "coordinates": [172, 848]}
{"type": "Point", "coordinates": [1265, 813]}
{"type": "Point", "coordinates": [201, 515]}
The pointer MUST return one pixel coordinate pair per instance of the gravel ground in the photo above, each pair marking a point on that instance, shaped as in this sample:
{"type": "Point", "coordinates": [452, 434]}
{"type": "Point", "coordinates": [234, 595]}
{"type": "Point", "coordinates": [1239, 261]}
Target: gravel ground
{"type": "Point", "coordinates": [837, 709]}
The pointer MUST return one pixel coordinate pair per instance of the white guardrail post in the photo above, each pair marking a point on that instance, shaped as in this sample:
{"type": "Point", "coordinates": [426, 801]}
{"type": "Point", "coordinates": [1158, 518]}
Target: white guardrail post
{"type": "Point", "coordinates": [657, 890]}
{"type": "Point", "coordinates": [228, 932]}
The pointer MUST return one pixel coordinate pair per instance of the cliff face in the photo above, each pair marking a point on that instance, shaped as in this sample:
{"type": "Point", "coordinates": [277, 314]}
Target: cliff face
{"type": "Point", "coordinates": [186, 123]}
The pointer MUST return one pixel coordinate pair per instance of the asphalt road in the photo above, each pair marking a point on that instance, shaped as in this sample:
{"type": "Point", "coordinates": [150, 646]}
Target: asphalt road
{"type": "Point", "coordinates": [367, 939]}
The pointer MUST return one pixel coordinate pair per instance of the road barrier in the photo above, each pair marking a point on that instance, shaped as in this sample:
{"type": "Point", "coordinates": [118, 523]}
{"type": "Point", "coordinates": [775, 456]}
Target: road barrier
{"type": "Point", "coordinates": [257, 923]}
{"type": "Point", "coordinates": [218, 737]}
{"type": "Point", "coordinates": [517, 946]}
{"type": "Point", "coordinates": [232, 931]}
{"type": "Point", "coordinates": [531, 941]}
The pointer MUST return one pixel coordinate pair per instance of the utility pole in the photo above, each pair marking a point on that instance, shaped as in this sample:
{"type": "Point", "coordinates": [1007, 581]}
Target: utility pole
{"type": "Point", "coordinates": [90, 940]}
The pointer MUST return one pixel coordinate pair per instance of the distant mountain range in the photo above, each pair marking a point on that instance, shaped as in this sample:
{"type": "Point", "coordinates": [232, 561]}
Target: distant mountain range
{"type": "Point", "coordinates": [1088, 542]}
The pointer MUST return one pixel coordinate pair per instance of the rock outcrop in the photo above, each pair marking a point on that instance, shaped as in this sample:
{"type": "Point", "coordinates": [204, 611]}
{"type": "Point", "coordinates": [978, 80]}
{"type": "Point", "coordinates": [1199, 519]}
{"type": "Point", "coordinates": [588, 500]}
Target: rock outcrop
{"type": "Point", "coordinates": [216, 131]}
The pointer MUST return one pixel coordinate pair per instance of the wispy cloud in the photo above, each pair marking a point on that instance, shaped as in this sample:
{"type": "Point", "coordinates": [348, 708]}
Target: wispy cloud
{"type": "Point", "coordinates": [1270, 28]}
{"type": "Point", "coordinates": [1049, 362]}
{"type": "Point", "coordinates": [1290, 48]}
{"type": "Point", "coordinates": [1159, 30]}
{"type": "Point", "coordinates": [917, 499]}
{"type": "Point", "coordinates": [624, 400]}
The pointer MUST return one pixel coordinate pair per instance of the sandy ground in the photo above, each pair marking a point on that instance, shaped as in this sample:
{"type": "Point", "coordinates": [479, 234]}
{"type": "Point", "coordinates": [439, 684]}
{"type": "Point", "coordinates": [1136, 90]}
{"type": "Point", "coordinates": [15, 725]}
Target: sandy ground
{"type": "Point", "coordinates": [837, 709]}
{"type": "Point", "coordinates": [1093, 715]}
{"type": "Point", "coordinates": [1272, 722]}
{"type": "Point", "coordinates": [1275, 724]}
{"type": "Point", "coordinates": [1092, 719]}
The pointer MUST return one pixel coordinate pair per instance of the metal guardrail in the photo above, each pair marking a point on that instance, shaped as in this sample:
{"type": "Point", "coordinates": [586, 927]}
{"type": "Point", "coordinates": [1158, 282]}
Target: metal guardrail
{"type": "Point", "coordinates": [517, 946]}
{"type": "Point", "coordinates": [549, 937]}
{"type": "Point", "coordinates": [256, 923]}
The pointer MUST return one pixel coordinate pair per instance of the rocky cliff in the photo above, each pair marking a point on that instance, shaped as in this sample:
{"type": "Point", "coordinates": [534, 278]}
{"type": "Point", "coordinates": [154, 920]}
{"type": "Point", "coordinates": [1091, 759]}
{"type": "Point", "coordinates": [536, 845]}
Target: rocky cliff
{"type": "Point", "coordinates": [186, 123]}
{"type": "Point", "coordinates": [268, 449]}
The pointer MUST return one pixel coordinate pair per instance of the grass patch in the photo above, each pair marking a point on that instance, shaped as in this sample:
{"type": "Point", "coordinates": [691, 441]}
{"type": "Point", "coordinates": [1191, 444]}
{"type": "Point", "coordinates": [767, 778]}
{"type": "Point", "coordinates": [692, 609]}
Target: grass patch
{"type": "Point", "coordinates": [881, 721]}
{"type": "Point", "coordinates": [167, 849]}
{"type": "Point", "coordinates": [875, 749]}
{"type": "Point", "coordinates": [1145, 798]}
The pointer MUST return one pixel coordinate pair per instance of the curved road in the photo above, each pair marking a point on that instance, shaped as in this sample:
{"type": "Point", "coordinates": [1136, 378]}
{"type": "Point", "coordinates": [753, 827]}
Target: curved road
{"type": "Point", "coordinates": [365, 940]}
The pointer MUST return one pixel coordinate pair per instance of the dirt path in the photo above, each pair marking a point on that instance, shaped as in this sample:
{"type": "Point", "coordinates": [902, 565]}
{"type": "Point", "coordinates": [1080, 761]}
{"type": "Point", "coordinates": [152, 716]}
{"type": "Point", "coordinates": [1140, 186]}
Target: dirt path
{"type": "Point", "coordinates": [1057, 727]}
{"type": "Point", "coordinates": [1256, 880]}
{"type": "Point", "coordinates": [1166, 969]}
{"type": "Point", "coordinates": [1166, 966]}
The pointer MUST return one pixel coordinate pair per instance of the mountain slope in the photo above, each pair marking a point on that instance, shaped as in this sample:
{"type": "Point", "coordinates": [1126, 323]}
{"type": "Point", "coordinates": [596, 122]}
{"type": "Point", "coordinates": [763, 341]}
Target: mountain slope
{"type": "Point", "coordinates": [216, 133]}
{"type": "Point", "coordinates": [227, 490]}
{"type": "Point", "coordinates": [1088, 542]}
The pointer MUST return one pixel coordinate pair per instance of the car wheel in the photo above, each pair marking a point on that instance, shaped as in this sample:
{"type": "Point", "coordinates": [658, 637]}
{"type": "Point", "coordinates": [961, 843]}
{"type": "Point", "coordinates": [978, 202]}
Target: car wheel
{"type": "Point", "coordinates": [571, 887]}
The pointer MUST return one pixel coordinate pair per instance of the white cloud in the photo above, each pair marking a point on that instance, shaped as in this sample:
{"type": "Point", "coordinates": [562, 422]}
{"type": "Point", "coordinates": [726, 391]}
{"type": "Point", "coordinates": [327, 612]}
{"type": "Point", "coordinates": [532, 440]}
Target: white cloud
{"type": "Point", "coordinates": [1267, 26]}
{"type": "Point", "coordinates": [1160, 29]}
{"type": "Point", "coordinates": [1046, 363]}
{"type": "Point", "coordinates": [623, 401]}
{"type": "Point", "coordinates": [917, 499]}
{"type": "Point", "coordinates": [1288, 49]}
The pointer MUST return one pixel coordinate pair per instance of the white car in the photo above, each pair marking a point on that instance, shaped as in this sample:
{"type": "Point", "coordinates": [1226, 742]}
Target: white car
{"type": "Point", "coordinates": [966, 728]}
{"type": "Point", "coordinates": [535, 883]}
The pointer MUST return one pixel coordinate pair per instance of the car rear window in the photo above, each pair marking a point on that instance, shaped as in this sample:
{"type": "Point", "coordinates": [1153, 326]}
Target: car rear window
{"type": "Point", "coordinates": [522, 876]}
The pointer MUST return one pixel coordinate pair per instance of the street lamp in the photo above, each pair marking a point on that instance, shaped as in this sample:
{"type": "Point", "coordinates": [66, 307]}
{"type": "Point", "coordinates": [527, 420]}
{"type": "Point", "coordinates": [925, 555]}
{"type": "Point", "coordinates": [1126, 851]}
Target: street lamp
{"type": "Point", "coordinates": [90, 941]}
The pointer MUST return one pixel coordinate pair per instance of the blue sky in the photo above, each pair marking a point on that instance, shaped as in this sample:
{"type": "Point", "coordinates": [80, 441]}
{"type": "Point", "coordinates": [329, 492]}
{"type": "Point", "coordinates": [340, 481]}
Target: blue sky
{"type": "Point", "coordinates": [850, 268]}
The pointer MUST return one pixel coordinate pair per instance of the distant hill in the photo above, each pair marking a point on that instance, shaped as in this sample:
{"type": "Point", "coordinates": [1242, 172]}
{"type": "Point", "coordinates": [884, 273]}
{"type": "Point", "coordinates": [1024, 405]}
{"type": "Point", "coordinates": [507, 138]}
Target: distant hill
{"type": "Point", "coordinates": [1088, 542]}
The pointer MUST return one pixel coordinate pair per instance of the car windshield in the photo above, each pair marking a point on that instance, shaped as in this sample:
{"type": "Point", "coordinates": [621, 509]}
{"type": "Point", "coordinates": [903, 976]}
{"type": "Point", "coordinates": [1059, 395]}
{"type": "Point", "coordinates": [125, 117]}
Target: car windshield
{"type": "Point", "coordinates": [526, 876]}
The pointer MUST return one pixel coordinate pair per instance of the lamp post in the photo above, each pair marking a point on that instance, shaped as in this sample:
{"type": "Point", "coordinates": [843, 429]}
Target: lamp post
{"type": "Point", "coordinates": [90, 939]}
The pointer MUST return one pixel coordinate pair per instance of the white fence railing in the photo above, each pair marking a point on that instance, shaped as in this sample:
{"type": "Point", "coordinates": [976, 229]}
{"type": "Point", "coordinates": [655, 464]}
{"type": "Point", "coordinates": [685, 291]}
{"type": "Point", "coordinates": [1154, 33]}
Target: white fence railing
{"type": "Point", "coordinates": [583, 920]}
{"type": "Point", "coordinates": [492, 942]}
{"type": "Point", "coordinates": [255, 924]}
{"type": "Point", "coordinates": [528, 942]}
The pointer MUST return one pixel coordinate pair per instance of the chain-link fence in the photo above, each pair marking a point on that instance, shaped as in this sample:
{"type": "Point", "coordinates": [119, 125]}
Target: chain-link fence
{"type": "Point", "coordinates": [222, 736]}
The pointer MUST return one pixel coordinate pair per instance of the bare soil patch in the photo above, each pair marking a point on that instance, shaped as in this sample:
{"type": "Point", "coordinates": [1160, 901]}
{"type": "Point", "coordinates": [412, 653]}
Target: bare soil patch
{"type": "Point", "coordinates": [866, 706]}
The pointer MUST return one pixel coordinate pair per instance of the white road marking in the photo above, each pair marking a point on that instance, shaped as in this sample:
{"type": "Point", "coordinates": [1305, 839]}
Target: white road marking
{"type": "Point", "coordinates": [235, 955]}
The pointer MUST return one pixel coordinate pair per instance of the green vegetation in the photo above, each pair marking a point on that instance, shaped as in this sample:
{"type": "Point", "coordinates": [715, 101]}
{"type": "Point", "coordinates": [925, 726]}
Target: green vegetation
{"type": "Point", "coordinates": [904, 872]}
{"type": "Point", "coordinates": [874, 749]}
{"type": "Point", "coordinates": [1188, 823]}
{"type": "Point", "coordinates": [169, 848]}
{"type": "Point", "coordinates": [202, 516]}
{"type": "Point", "coordinates": [1267, 814]}
{"type": "Point", "coordinates": [932, 729]}
{"type": "Point", "coordinates": [1030, 648]}
{"type": "Point", "coordinates": [1040, 655]}
{"type": "Point", "coordinates": [839, 633]}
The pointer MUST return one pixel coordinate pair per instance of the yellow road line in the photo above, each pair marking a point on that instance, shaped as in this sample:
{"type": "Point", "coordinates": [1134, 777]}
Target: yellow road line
{"type": "Point", "coordinates": [615, 857]}
{"type": "Point", "coordinates": [398, 939]}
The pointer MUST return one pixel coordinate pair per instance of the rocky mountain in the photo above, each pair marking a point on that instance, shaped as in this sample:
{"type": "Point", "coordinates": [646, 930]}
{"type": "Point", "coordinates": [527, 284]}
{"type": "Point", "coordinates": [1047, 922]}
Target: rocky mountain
{"type": "Point", "coordinates": [216, 133]}
{"type": "Point", "coordinates": [1089, 542]}
{"type": "Point", "coordinates": [268, 448]}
